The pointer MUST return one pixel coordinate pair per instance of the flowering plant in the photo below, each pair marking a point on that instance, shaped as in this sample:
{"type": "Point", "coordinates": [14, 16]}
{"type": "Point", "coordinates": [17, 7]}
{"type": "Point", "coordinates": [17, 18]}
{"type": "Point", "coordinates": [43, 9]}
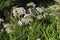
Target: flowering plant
{"type": "Point", "coordinates": [30, 23]}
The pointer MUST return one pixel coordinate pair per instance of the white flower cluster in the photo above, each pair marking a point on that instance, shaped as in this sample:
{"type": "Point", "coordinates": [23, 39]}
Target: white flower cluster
{"type": "Point", "coordinates": [57, 1]}
{"type": "Point", "coordinates": [39, 17]}
{"type": "Point", "coordinates": [40, 10]}
{"type": "Point", "coordinates": [31, 4]}
{"type": "Point", "coordinates": [18, 11]}
{"type": "Point", "coordinates": [34, 12]}
{"type": "Point", "coordinates": [38, 13]}
{"type": "Point", "coordinates": [7, 27]}
{"type": "Point", "coordinates": [54, 7]}
{"type": "Point", "coordinates": [25, 21]}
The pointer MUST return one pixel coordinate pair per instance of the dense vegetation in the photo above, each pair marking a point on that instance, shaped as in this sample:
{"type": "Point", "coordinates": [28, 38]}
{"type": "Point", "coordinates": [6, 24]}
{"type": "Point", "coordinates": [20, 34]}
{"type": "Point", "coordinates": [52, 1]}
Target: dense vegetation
{"type": "Point", "coordinates": [40, 20]}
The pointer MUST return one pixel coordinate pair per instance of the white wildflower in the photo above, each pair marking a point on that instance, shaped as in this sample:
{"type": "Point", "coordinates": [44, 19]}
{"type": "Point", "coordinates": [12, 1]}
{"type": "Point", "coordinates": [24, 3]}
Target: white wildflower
{"type": "Point", "coordinates": [34, 11]}
{"type": "Point", "coordinates": [21, 11]}
{"type": "Point", "coordinates": [8, 28]}
{"type": "Point", "coordinates": [18, 11]}
{"type": "Point", "coordinates": [1, 20]}
{"type": "Point", "coordinates": [53, 14]}
{"type": "Point", "coordinates": [54, 7]}
{"type": "Point", "coordinates": [26, 20]}
{"type": "Point", "coordinates": [31, 4]}
{"type": "Point", "coordinates": [38, 39]}
{"type": "Point", "coordinates": [20, 23]}
{"type": "Point", "coordinates": [40, 10]}
{"type": "Point", "coordinates": [14, 11]}
{"type": "Point", "coordinates": [29, 10]}
{"type": "Point", "coordinates": [39, 17]}
{"type": "Point", "coordinates": [45, 15]}
{"type": "Point", "coordinates": [30, 20]}
{"type": "Point", "coordinates": [27, 16]}
{"type": "Point", "coordinates": [46, 9]}
{"type": "Point", "coordinates": [57, 1]}
{"type": "Point", "coordinates": [6, 25]}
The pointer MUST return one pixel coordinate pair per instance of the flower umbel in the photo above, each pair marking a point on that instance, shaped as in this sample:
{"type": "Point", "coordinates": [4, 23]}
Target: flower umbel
{"type": "Point", "coordinates": [31, 4]}
{"type": "Point", "coordinates": [8, 27]}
